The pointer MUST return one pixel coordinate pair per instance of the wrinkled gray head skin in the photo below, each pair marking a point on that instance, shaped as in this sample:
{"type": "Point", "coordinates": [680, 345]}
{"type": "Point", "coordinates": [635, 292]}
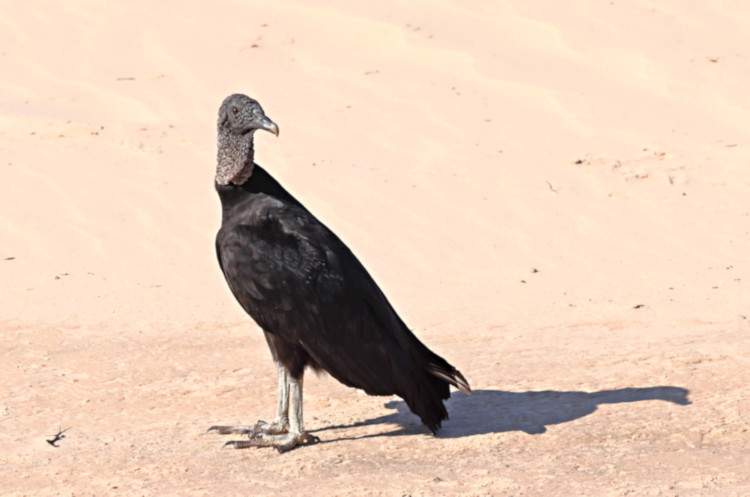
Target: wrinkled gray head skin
{"type": "Point", "coordinates": [239, 117]}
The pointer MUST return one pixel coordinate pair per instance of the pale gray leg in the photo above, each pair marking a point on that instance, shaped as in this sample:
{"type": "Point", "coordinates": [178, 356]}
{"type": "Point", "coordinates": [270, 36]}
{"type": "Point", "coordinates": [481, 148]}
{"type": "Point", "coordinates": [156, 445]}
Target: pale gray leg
{"type": "Point", "coordinates": [279, 425]}
{"type": "Point", "coordinates": [287, 431]}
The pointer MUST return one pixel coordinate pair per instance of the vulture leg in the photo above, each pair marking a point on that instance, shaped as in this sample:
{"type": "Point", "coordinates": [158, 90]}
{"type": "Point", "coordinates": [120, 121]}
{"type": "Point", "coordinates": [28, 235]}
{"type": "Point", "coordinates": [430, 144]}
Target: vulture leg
{"type": "Point", "coordinates": [278, 426]}
{"type": "Point", "coordinates": [281, 423]}
{"type": "Point", "coordinates": [286, 431]}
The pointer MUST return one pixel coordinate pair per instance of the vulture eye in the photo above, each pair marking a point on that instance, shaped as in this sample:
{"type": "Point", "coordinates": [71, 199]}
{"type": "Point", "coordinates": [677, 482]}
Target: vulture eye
{"type": "Point", "coordinates": [235, 111]}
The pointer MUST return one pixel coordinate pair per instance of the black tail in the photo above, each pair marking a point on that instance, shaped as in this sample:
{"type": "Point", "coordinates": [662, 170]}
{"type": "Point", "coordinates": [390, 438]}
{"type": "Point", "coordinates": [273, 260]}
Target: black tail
{"type": "Point", "coordinates": [430, 390]}
{"type": "Point", "coordinates": [450, 374]}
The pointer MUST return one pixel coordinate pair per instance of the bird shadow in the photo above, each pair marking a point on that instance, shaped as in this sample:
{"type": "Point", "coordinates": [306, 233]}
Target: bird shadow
{"type": "Point", "coordinates": [495, 411]}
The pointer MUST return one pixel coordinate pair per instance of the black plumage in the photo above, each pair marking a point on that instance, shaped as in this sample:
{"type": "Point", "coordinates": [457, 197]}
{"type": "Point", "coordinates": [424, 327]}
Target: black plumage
{"type": "Point", "coordinates": [316, 303]}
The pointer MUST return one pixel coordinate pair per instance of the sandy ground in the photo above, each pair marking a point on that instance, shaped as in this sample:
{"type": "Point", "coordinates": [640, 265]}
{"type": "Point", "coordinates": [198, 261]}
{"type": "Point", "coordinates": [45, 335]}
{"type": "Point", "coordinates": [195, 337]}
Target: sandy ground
{"type": "Point", "coordinates": [554, 195]}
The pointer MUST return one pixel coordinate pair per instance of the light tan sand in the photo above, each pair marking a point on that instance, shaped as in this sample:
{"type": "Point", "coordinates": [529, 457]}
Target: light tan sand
{"type": "Point", "coordinates": [554, 195]}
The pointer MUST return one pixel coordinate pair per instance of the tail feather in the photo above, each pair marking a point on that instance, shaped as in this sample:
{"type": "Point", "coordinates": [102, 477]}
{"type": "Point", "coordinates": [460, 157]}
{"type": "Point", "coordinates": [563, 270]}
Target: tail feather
{"type": "Point", "coordinates": [426, 395]}
{"type": "Point", "coordinates": [451, 375]}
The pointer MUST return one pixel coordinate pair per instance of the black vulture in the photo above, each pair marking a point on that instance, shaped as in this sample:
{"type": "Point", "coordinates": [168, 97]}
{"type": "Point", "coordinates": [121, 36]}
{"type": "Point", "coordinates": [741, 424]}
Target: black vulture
{"type": "Point", "coordinates": [315, 302]}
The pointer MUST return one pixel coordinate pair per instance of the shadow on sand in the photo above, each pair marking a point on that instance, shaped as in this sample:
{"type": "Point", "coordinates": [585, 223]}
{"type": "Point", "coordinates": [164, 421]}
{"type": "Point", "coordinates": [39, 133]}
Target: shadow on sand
{"type": "Point", "coordinates": [494, 411]}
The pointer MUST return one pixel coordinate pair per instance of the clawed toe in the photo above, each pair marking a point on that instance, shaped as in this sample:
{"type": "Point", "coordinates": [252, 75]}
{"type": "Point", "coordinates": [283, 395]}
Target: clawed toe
{"type": "Point", "coordinates": [275, 428]}
{"type": "Point", "coordinates": [261, 427]}
{"type": "Point", "coordinates": [262, 434]}
{"type": "Point", "coordinates": [303, 439]}
{"type": "Point", "coordinates": [308, 438]}
{"type": "Point", "coordinates": [229, 429]}
{"type": "Point", "coordinates": [281, 443]}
